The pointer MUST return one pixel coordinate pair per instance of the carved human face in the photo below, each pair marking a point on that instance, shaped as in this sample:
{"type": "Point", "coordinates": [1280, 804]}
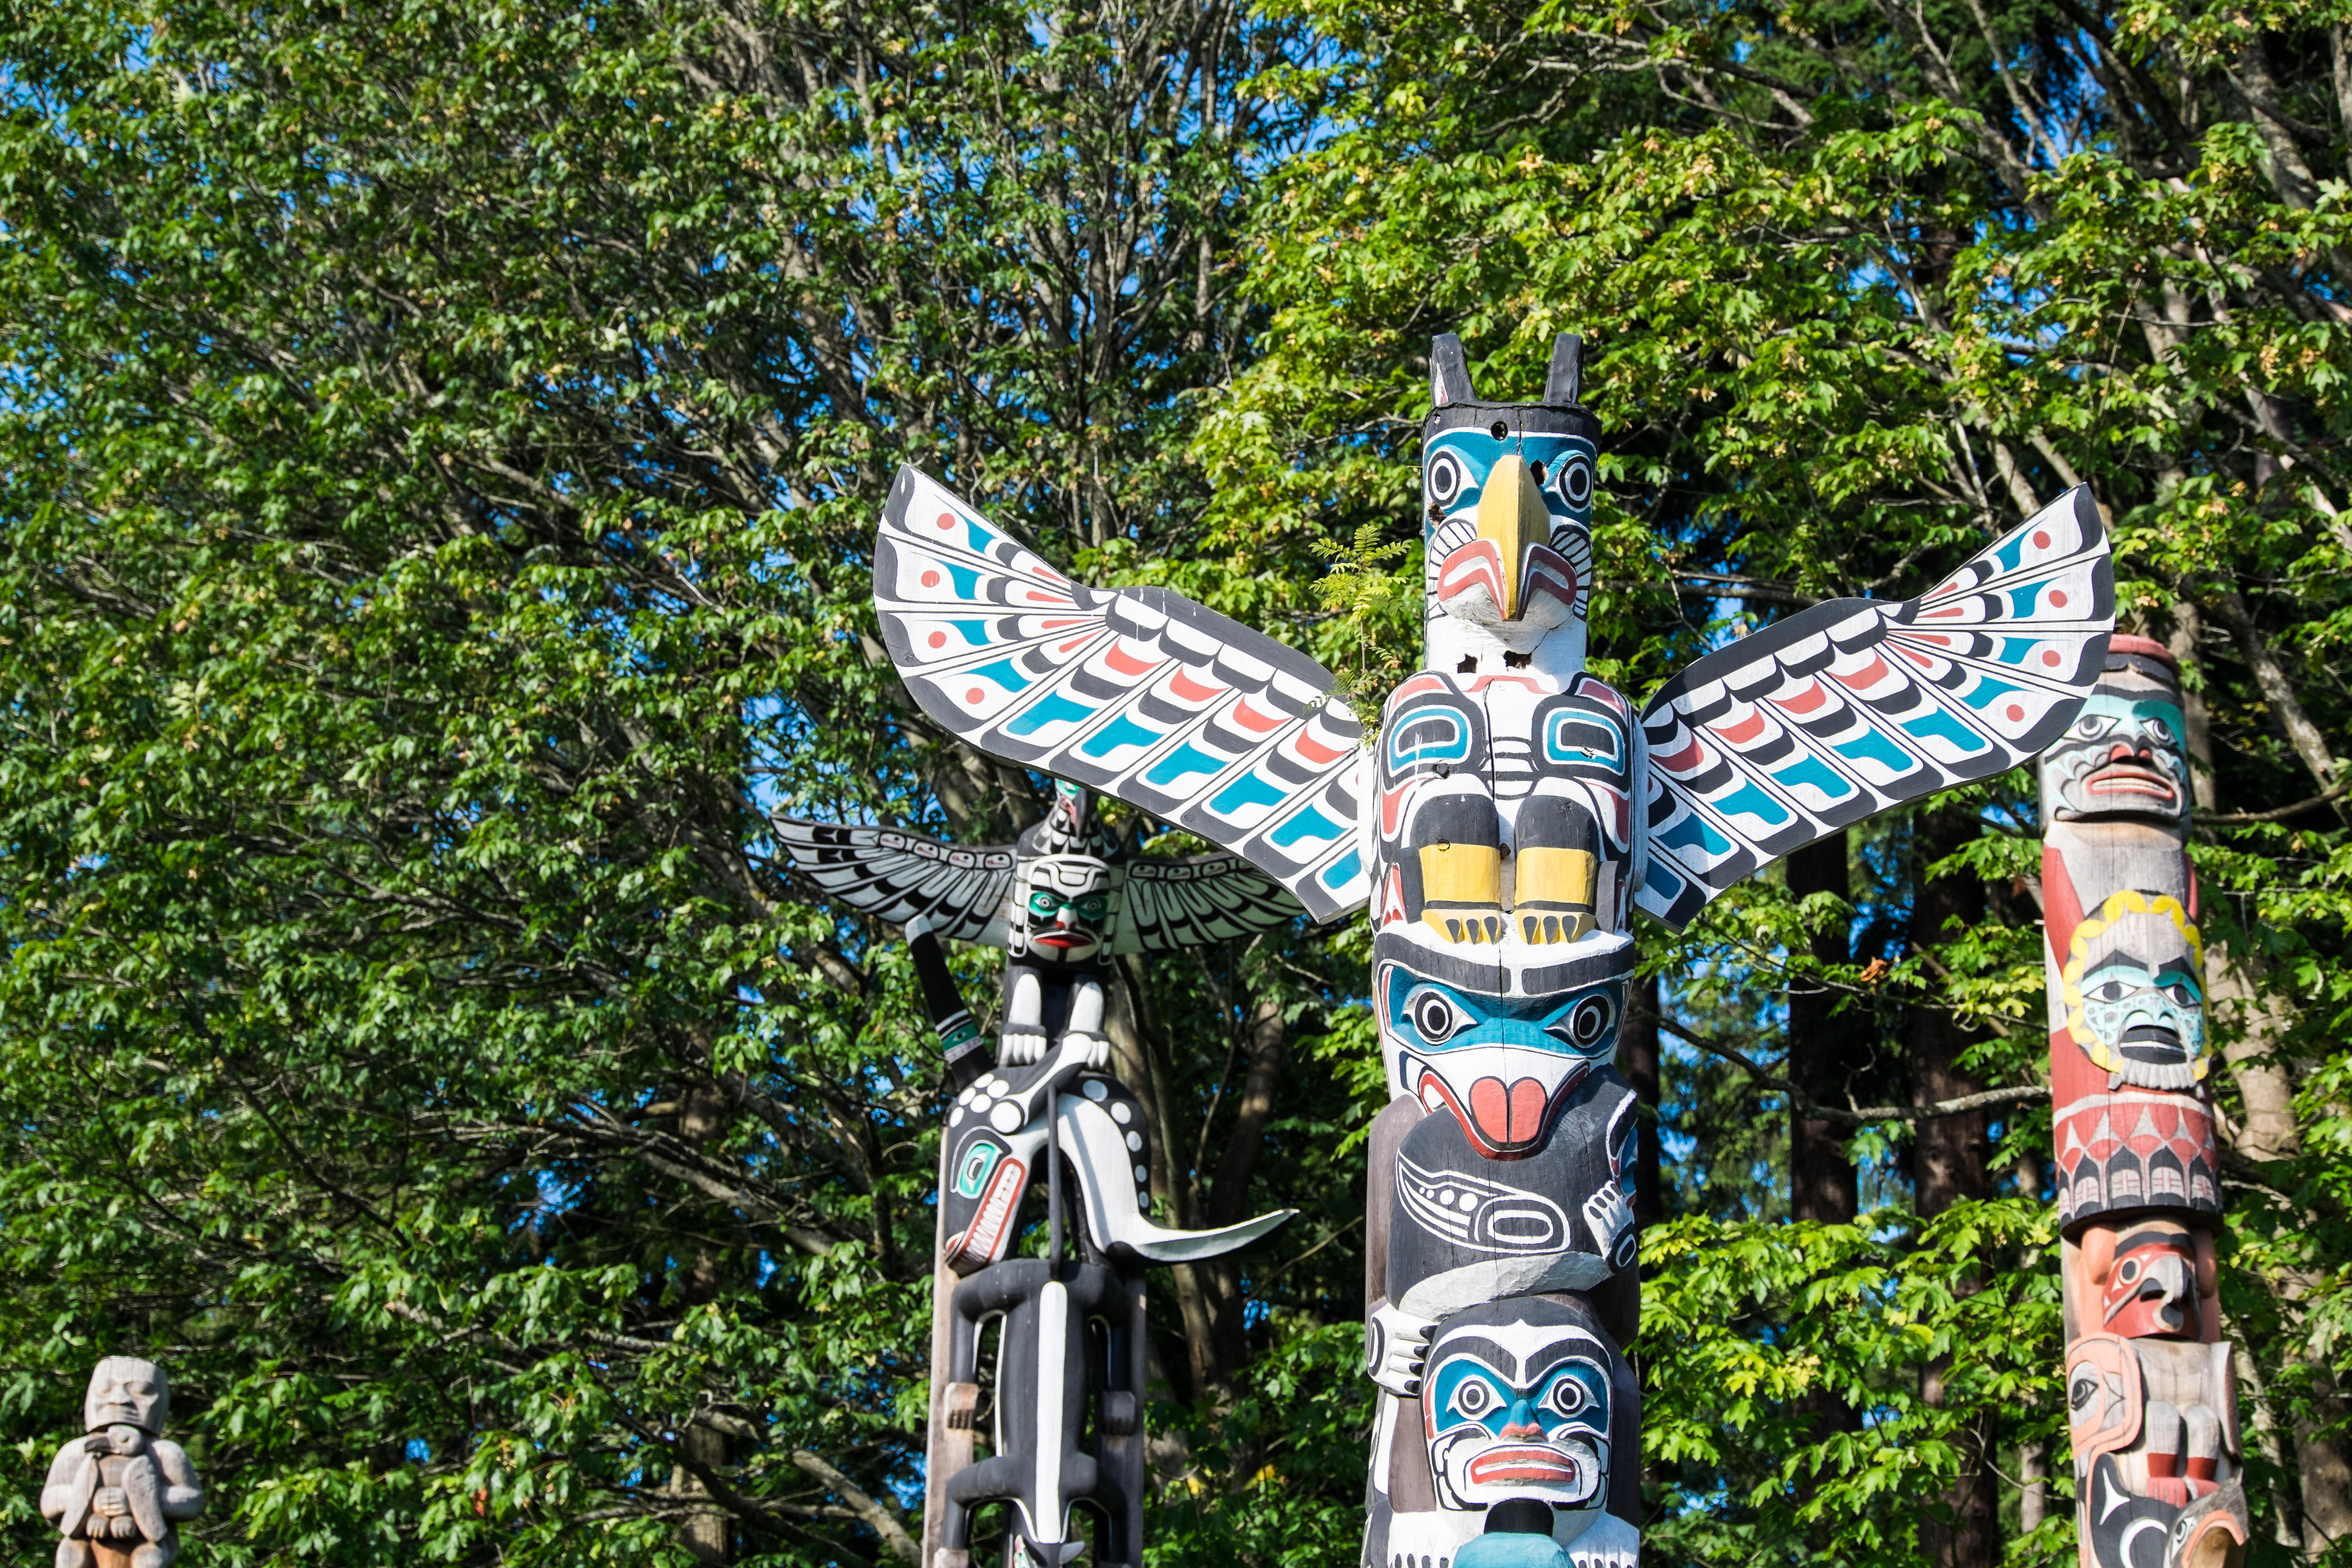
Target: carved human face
{"type": "Point", "coordinates": [126, 1392]}
{"type": "Point", "coordinates": [2134, 991]}
{"type": "Point", "coordinates": [1516, 1403]}
{"type": "Point", "coordinates": [2126, 755]}
{"type": "Point", "coordinates": [1063, 910]}
{"type": "Point", "coordinates": [1501, 1065]}
{"type": "Point", "coordinates": [2151, 1285]}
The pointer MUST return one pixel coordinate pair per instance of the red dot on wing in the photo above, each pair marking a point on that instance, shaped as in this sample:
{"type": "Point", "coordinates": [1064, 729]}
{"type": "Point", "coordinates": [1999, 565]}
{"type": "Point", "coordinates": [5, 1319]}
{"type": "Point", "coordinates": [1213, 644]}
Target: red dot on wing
{"type": "Point", "coordinates": [930, 579]}
{"type": "Point", "coordinates": [2016, 713]}
{"type": "Point", "coordinates": [2041, 539]}
{"type": "Point", "coordinates": [2058, 597]}
{"type": "Point", "coordinates": [975, 696]}
{"type": "Point", "coordinates": [947, 519]}
{"type": "Point", "coordinates": [2049, 657]}
{"type": "Point", "coordinates": [938, 639]}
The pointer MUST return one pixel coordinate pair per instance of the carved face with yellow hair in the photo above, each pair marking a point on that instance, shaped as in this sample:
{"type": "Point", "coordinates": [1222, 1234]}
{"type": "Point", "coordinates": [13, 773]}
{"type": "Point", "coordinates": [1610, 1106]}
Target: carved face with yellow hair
{"type": "Point", "coordinates": [2135, 992]}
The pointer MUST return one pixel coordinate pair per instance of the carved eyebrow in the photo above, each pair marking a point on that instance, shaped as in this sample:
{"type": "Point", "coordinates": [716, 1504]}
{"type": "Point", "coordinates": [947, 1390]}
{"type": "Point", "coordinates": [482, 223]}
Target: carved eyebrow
{"type": "Point", "coordinates": [2120, 956]}
{"type": "Point", "coordinates": [1494, 1357]}
{"type": "Point", "coordinates": [1551, 1356]}
{"type": "Point", "coordinates": [2143, 1237]}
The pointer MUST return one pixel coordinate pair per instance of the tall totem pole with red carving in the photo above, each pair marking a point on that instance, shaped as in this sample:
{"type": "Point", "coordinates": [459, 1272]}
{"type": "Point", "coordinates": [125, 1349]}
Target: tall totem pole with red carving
{"type": "Point", "coordinates": [2150, 1386]}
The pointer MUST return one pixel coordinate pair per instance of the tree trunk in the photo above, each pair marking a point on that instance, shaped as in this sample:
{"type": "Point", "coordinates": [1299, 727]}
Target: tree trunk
{"type": "Point", "coordinates": [1129, 1023]}
{"type": "Point", "coordinates": [1948, 1166]}
{"type": "Point", "coordinates": [1228, 1202]}
{"type": "Point", "coordinates": [1637, 1062]}
{"type": "Point", "coordinates": [705, 1536]}
{"type": "Point", "coordinates": [1825, 1050]}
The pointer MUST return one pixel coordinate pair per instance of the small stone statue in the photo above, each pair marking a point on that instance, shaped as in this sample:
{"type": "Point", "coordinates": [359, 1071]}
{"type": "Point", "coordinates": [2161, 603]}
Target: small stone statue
{"type": "Point", "coordinates": [119, 1494]}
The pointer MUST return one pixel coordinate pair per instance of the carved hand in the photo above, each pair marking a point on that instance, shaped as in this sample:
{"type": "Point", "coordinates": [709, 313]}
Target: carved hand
{"type": "Point", "coordinates": [1396, 1344]}
{"type": "Point", "coordinates": [110, 1502]}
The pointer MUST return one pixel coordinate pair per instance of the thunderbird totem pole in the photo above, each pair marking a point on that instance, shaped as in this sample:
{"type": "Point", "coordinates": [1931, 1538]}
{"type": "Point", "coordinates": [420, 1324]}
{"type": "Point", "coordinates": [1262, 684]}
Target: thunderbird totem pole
{"type": "Point", "coordinates": [2150, 1389]}
{"type": "Point", "coordinates": [1069, 1350]}
{"type": "Point", "coordinates": [1510, 814]}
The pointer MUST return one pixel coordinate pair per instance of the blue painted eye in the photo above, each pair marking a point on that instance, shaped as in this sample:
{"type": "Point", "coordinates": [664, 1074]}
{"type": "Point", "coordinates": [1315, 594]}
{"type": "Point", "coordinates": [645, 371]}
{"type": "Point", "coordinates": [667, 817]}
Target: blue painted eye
{"type": "Point", "coordinates": [1587, 1023]}
{"type": "Point", "coordinates": [1567, 1397]}
{"type": "Point", "coordinates": [1434, 1016]}
{"type": "Point", "coordinates": [1575, 480]}
{"type": "Point", "coordinates": [1473, 1398]}
{"type": "Point", "coordinates": [1445, 478]}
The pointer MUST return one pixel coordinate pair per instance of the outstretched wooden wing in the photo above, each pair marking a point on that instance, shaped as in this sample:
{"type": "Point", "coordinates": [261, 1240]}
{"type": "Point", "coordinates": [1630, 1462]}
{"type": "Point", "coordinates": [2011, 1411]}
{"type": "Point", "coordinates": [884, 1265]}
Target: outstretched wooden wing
{"type": "Point", "coordinates": [896, 876]}
{"type": "Point", "coordinates": [1172, 903]}
{"type": "Point", "coordinates": [1854, 706]}
{"type": "Point", "coordinates": [1138, 692]}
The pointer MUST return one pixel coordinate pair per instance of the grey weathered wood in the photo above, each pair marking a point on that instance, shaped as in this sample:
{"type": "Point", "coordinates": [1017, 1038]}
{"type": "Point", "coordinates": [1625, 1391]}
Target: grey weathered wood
{"type": "Point", "coordinates": [119, 1494]}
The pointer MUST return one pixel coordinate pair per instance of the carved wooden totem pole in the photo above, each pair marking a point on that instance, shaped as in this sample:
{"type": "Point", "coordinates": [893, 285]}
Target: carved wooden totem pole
{"type": "Point", "coordinates": [2150, 1391]}
{"type": "Point", "coordinates": [1510, 815]}
{"type": "Point", "coordinates": [1069, 1370]}
{"type": "Point", "coordinates": [117, 1495]}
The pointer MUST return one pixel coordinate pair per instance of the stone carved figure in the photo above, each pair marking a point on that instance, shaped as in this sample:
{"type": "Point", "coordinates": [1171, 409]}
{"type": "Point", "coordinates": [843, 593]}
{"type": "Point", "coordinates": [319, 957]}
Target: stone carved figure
{"type": "Point", "coordinates": [117, 1495]}
{"type": "Point", "coordinates": [1067, 1422]}
{"type": "Point", "coordinates": [1510, 815]}
{"type": "Point", "coordinates": [2150, 1389]}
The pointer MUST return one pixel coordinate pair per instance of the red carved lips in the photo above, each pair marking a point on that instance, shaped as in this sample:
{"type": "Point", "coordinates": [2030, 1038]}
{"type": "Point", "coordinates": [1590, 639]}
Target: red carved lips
{"type": "Point", "coordinates": [1503, 1120]}
{"type": "Point", "coordinates": [2132, 774]}
{"type": "Point", "coordinates": [1063, 939]}
{"type": "Point", "coordinates": [1540, 1467]}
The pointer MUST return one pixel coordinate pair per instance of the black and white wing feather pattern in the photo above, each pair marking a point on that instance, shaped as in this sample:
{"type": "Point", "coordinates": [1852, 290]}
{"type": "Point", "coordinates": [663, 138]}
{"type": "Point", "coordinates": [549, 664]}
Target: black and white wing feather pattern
{"type": "Point", "coordinates": [1175, 903]}
{"type": "Point", "coordinates": [1138, 693]}
{"type": "Point", "coordinates": [897, 876]}
{"type": "Point", "coordinates": [1856, 705]}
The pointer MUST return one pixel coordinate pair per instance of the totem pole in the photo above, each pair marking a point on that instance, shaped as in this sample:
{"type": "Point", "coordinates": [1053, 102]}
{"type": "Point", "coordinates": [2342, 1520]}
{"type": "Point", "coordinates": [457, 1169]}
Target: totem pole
{"type": "Point", "coordinates": [1511, 813]}
{"type": "Point", "coordinates": [2150, 1389]}
{"type": "Point", "coordinates": [1070, 1347]}
{"type": "Point", "coordinates": [117, 1495]}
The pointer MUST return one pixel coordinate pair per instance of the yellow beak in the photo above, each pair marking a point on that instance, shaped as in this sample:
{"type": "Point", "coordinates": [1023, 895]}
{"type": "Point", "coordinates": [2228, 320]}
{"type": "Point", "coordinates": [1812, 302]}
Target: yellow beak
{"type": "Point", "coordinates": [1511, 512]}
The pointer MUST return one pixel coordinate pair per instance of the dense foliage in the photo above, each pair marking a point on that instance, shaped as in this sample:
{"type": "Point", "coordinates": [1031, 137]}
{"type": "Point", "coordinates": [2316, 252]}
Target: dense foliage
{"type": "Point", "coordinates": [442, 448]}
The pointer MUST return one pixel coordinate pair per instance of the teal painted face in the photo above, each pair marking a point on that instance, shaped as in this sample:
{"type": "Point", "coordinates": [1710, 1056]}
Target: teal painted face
{"type": "Point", "coordinates": [1516, 1403]}
{"type": "Point", "coordinates": [2134, 992]}
{"type": "Point", "coordinates": [1065, 909]}
{"type": "Point", "coordinates": [2126, 755]}
{"type": "Point", "coordinates": [1499, 1064]}
{"type": "Point", "coordinates": [2132, 1007]}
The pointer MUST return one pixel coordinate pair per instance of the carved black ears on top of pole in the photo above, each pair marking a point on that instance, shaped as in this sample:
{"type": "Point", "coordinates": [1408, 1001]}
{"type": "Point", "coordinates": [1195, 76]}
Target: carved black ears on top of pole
{"type": "Point", "coordinates": [1564, 383]}
{"type": "Point", "coordinates": [1449, 371]}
